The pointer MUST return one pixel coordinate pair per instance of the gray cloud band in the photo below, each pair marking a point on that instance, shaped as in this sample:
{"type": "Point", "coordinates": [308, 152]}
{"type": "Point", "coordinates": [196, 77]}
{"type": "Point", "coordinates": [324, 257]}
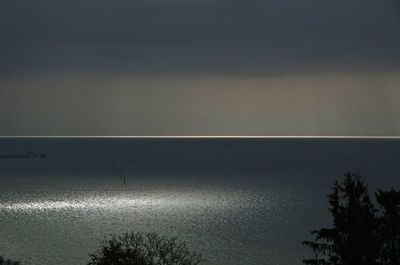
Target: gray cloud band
{"type": "Point", "coordinates": [249, 37]}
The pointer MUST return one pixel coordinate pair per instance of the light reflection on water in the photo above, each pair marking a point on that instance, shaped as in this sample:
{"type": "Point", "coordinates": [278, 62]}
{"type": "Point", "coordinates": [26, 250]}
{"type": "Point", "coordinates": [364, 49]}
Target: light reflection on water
{"type": "Point", "coordinates": [228, 226]}
{"type": "Point", "coordinates": [118, 200]}
{"type": "Point", "coordinates": [93, 203]}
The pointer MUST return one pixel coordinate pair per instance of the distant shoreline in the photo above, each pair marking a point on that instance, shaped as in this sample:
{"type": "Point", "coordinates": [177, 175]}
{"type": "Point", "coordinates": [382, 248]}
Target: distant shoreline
{"type": "Point", "coordinates": [23, 155]}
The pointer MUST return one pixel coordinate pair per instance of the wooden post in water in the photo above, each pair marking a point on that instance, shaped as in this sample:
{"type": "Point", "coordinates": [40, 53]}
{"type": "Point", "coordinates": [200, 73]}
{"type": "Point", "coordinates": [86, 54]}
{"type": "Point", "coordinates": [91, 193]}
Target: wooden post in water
{"type": "Point", "coordinates": [118, 171]}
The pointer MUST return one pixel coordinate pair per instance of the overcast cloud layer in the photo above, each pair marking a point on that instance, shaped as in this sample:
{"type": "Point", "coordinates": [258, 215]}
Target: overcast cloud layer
{"type": "Point", "coordinates": [185, 67]}
{"type": "Point", "coordinates": [250, 36]}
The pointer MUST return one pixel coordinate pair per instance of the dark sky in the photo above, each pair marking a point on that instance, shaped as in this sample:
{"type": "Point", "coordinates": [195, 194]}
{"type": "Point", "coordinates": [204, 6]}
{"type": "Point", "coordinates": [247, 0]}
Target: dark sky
{"type": "Point", "coordinates": [188, 67]}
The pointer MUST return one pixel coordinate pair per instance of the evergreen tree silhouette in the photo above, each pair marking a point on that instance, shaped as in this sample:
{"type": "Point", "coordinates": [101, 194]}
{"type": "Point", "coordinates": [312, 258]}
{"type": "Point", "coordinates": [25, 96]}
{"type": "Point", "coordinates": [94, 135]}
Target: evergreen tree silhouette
{"type": "Point", "coordinates": [353, 239]}
{"type": "Point", "coordinates": [389, 228]}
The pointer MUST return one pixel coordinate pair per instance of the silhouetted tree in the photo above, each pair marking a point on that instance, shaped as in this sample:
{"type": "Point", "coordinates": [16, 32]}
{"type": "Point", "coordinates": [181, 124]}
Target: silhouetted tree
{"type": "Point", "coordinates": [144, 249]}
{"type": "Point", "coordinates": [353, 239]}
{"type": "Point", "coordinates": [389, 227]}
{"type": "Point", "coordinates": [8, 262]}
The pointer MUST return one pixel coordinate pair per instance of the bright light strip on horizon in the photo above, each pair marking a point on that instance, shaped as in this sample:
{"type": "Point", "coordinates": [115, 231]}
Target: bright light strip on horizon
{"type": "Point", "coordinates": [205, 137]}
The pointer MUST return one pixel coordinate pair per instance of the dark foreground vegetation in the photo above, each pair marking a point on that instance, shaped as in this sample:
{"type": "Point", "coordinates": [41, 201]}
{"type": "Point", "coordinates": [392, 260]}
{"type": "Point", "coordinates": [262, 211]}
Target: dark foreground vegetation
{"type": "Point", "coordinates": [139, 249]}
{"type": "Point", "coordinates": [144, 249]}
{"type": "Point", "coordinates": [8, 262]}
{"type": "Point", "coordinates": [362, 233]}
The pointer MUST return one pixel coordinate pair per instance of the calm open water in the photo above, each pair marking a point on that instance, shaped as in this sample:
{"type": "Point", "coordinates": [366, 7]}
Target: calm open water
{"type": "Point", "coordinates": [237, 201]}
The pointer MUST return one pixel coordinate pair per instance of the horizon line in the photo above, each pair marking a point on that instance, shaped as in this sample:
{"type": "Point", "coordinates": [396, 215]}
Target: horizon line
{"type": "Point", "coordinates": [203, 136]}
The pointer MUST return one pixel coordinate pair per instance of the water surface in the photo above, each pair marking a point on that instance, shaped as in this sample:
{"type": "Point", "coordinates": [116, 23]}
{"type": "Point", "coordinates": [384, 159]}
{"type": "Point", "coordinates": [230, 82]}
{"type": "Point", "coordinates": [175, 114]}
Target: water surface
{"type": "Point", "coordinates": [237, 201]}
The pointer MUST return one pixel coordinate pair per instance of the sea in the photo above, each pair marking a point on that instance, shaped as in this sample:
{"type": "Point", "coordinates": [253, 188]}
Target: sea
{"type": "Point", "coordinates": [238, 201]}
